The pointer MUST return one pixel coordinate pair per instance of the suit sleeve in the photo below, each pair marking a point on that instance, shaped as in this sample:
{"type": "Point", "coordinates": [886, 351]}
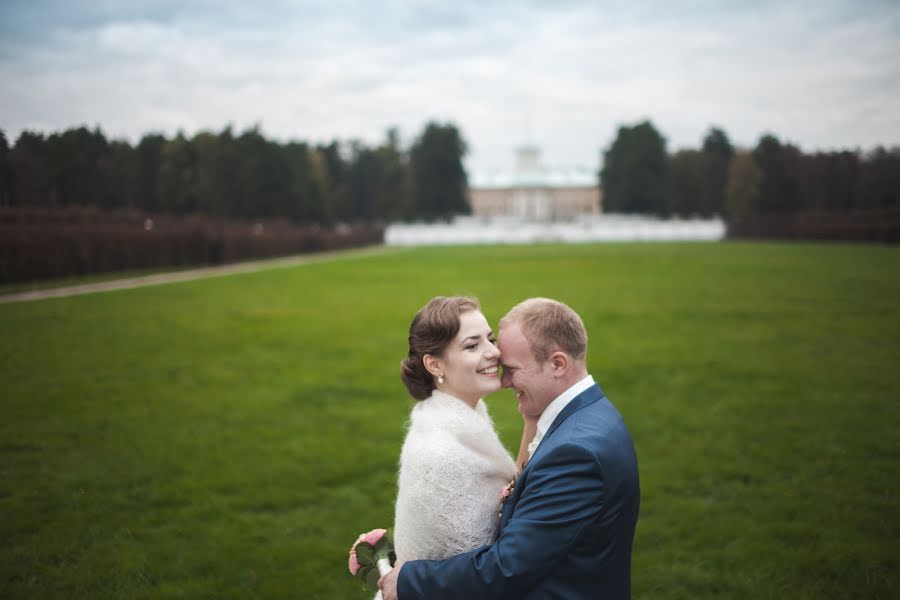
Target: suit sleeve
{"type": "Point", "coordinates": [563, 495]}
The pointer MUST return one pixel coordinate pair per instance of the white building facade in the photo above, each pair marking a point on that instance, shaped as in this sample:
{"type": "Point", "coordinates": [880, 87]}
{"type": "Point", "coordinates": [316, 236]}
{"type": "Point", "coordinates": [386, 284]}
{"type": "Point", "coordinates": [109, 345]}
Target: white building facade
{"type": "Point", "coordinates": [535, 193]}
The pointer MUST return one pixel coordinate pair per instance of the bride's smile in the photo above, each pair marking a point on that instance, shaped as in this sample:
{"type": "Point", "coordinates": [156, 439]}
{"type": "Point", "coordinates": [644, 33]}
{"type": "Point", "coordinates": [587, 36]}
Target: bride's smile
{"type": "Point", "coordinates": [468, 368]}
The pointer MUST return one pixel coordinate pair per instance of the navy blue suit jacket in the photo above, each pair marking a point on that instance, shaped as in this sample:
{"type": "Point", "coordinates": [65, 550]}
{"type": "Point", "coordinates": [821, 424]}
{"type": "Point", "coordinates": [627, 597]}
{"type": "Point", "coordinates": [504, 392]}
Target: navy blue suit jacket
{"type": "Point", "coordinates": [567, 528]}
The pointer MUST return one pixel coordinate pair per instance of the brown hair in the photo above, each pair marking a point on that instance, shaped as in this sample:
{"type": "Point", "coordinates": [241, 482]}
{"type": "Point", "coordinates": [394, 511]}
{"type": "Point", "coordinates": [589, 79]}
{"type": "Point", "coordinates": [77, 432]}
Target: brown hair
{"type": "Point", "coordinates": [432, 329]}
{"type": "Point", "coordinates": [549, 326]}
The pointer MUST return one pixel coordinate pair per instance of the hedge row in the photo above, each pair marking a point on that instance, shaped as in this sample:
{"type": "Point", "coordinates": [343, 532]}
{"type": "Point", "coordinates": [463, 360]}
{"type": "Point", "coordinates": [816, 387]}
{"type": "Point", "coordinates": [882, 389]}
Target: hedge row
{"type": "Point", "coordinates": [49, 245]}
{"type": "Point", "coordinates": [870, 226]}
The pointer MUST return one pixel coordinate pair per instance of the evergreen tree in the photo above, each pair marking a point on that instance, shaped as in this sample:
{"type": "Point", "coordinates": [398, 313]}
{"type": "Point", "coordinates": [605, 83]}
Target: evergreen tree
{"type": "Point", "coordinates": [717, 152]}
{"type": "Point", "coordinates": [392, 196]}
{"type": "Point", "coordinates": [5, 172]}
{"type": "Point", "coordinates": [742, 193]}
{"type": "Point", "coordinates": [121, 173]}
{"type": "Point", "coordinates": [30, 176]}
{"type": "Point", "coordinates": [336, 172]}
{"type": "Point", "coordinates": [307, 193]}
{"type": "Point", "coordinates": [633, 174]}
{"type": "Point", "coordinates": [686, 184]}
{"type": "Point", "coordinates": [149, 161]}
{"type": "Point", "coordinates": [782, 186]}
{"type": "Point", "coordinates": [880, 180]}
{"type": "Point", "coordinates": [438, 176]}
{"type": "Point", "coordinates": [176, 180]}
{"type": "Point", "coordinates": [76, 160]}
{"type": "Point", "coordinates": [362, 181]}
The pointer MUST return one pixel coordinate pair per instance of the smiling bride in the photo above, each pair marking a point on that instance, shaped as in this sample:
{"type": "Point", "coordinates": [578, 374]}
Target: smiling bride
{"type": "Point", "coordinates": [452, 465]}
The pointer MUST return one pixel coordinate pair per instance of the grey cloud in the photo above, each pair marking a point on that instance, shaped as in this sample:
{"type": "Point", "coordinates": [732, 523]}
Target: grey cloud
{"type": "Point", "coordinates": [561, 76]}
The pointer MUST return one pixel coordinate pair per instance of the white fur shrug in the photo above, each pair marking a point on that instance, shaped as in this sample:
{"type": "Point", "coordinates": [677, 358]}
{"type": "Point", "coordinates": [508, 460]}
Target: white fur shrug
{"type": "Point", "coordinates": [452, 468]}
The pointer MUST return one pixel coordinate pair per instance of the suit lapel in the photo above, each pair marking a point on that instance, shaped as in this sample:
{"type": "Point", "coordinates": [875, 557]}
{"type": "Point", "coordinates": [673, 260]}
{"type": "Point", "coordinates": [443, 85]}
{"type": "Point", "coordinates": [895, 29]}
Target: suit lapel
{"type": "Point", "coordinates": [585, 398]}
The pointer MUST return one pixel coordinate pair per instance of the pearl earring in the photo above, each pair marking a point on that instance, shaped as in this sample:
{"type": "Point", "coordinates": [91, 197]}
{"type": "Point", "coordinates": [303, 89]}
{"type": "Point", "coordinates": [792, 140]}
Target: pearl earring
{"type": "Point", "coordinates": [440, 379]}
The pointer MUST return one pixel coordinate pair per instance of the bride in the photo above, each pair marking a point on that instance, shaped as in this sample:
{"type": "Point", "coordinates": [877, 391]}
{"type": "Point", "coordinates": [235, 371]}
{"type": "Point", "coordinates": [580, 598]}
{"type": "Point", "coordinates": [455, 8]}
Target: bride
{"type": "Point", "coordinates": [452, 465]}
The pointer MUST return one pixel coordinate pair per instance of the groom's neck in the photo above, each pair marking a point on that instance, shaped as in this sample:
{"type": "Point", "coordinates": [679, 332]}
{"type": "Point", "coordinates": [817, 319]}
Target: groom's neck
{"type": "Point", "coordinates": [575, 374]}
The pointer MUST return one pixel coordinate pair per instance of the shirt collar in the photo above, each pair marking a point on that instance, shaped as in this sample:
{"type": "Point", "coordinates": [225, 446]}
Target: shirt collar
{"type": "Point", "coordinates": [559, 403]}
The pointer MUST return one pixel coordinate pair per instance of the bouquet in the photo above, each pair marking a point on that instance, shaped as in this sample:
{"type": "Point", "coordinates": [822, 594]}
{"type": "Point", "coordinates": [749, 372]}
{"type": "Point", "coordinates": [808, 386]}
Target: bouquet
{"type": "Point", "coordinates": [372, 556]}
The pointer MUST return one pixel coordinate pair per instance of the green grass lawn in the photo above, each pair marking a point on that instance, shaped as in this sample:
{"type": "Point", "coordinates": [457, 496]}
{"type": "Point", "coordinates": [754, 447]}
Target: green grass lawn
{"type": "Point", "coordinates": [230, 437]}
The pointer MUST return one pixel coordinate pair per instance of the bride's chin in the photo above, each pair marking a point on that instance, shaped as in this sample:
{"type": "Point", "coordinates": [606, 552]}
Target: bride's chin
{"type": "Point", "coordinates": [490, 389]}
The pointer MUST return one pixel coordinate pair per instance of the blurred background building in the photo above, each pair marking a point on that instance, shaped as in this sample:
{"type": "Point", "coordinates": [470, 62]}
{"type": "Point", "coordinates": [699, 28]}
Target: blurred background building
{"type": "Point", "coordinates": [534, 192]}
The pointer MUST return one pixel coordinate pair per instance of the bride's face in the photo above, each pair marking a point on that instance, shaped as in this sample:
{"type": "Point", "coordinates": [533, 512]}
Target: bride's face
{"type": "Point", "coordinates": [470, 362]}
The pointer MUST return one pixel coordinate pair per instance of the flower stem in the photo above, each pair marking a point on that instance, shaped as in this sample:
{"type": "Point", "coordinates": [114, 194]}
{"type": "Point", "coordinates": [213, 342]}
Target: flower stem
{"type": "Point", "coordinates": [384, 566]}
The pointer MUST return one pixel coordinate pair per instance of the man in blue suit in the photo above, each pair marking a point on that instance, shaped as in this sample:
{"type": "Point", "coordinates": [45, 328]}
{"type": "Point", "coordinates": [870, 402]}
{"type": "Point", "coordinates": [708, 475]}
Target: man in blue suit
{"type": "Point", "coordinates": [567, 526]}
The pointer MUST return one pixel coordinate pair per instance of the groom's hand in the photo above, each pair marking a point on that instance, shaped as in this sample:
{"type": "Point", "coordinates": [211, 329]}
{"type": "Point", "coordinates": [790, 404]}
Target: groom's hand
{"type": "Point", "coordinates": [388, 583]}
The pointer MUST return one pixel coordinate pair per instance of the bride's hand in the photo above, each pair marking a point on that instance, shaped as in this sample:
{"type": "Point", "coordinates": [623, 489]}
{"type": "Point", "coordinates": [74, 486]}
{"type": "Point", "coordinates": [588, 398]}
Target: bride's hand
{"type": "Point", "coordinates": [528, 430]}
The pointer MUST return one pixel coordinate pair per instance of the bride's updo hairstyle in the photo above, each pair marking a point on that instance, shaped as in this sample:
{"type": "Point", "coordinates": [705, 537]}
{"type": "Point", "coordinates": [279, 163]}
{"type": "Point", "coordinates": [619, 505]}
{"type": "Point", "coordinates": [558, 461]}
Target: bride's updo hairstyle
{"type": "Point", "coordinates": [432, 329]}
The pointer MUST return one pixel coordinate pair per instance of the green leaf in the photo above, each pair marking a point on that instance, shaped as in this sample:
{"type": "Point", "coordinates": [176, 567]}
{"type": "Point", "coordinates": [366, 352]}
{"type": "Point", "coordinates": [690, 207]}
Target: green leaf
{"type": "Point", "coordinates": [365, 554]}
{"type": "Point", "coordinates": [372, 577]}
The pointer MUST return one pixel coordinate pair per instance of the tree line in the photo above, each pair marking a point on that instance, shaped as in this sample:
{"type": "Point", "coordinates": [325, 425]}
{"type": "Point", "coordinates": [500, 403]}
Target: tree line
{"type": "Point", "coordinates": [247, 176]}
{"type": "Point", "coordinates": [240, 175]}
{"type": "Point", "coordinates": [773, 179]}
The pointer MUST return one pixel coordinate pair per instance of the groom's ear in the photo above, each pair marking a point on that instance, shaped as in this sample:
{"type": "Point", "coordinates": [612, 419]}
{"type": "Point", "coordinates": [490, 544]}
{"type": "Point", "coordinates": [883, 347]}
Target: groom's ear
{"type": "Point", "coordinates": [559, 363]}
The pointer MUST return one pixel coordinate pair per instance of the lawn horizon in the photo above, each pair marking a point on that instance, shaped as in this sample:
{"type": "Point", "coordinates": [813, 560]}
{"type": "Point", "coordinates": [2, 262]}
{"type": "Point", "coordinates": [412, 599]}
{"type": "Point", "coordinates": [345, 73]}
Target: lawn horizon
{"type": "Point", "coordinates": [230, 437]}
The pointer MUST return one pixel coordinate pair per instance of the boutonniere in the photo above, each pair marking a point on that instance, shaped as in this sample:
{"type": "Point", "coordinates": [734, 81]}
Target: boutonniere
{"type": "Point", "coordinates": [505, 491]}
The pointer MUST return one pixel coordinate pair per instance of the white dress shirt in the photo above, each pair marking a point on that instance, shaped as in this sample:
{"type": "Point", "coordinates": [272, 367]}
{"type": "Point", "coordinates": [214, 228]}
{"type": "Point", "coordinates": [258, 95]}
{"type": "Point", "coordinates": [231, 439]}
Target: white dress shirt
{"type": "Point", "coordinates": [554, 408]}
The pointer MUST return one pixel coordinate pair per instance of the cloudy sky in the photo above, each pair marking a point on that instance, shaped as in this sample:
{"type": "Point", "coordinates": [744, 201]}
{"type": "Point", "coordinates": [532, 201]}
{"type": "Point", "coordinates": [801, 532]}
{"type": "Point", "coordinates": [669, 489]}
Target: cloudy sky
{"type": "Point", "coordinates": [561, 75]}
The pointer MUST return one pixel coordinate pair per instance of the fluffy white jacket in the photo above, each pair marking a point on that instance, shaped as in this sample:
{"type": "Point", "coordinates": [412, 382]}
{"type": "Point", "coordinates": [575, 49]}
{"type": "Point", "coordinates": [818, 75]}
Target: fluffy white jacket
{"type": "Point", "coordinates": [452, 467]}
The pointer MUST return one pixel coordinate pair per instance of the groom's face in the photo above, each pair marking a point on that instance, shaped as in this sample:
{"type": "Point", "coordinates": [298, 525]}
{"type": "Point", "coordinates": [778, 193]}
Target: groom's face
{"type": "Point", "coordinates": [529, 379]}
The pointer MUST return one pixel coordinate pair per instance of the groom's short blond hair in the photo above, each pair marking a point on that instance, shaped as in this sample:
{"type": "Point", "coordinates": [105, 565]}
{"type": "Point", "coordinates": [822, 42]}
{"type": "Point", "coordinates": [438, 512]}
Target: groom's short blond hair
{"type": "Point", "coordinates": [549, 326]}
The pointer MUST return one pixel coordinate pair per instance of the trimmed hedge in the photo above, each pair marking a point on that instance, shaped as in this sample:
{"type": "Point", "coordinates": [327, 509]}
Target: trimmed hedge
{"type": "Point", "coordinates": [49, 244]}
{"type": "Point", "coordinates": [869, 226]}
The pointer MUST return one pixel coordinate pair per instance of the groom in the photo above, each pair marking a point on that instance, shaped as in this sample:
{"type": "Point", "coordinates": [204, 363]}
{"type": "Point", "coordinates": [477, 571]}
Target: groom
{"type": "Point", "coordinates": [567, 527]}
